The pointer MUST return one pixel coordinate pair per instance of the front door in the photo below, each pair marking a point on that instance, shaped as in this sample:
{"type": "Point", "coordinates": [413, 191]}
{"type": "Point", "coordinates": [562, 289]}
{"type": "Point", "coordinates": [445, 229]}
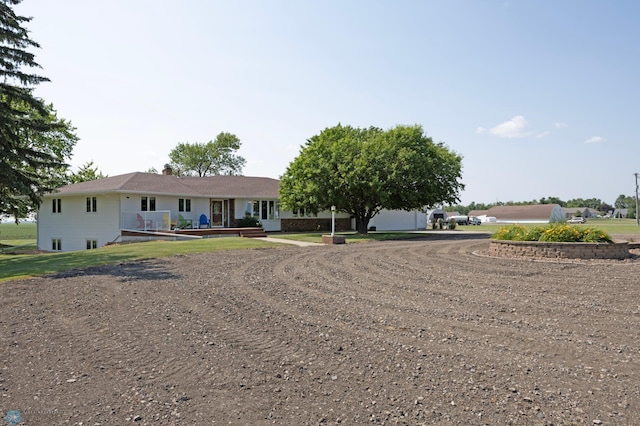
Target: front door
{"type": "Point", "coordinates": [219, 213]}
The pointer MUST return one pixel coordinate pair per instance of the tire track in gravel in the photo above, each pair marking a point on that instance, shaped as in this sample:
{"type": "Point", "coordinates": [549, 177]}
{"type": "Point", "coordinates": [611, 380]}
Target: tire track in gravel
{"type": "Point", "coordinates": [163, 343]}
{"type": "Point", "coordinates": [320, 289]}
{"type": "Point", "coordinates": [402, 332]}
{"type": "Point", "coordinates": [507, 329]}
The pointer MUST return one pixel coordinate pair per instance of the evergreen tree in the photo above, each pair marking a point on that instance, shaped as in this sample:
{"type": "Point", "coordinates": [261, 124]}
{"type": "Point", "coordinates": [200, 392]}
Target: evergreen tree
{"type": "Point", "coordinates": [87, 172]}
{"type": "Point", "coordinates": [34, 143]}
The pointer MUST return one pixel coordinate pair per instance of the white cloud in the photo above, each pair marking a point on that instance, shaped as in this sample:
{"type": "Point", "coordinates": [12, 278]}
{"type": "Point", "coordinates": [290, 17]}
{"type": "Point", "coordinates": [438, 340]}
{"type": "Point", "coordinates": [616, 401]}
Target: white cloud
{"type": "Point", "coordinates": [514, 128]}
{"type": "Point", "coordinates": [480, 130]}
{"type": "Point", "coordinates": [595, 139]}
{"type": "Point", "coordinates": [542, 135]}
{"type": "Point", "coordinates": [560, 125]}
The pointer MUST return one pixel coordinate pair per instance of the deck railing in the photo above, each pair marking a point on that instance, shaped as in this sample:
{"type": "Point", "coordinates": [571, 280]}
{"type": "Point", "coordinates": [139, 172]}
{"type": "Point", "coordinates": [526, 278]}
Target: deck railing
{"type": "Point", "coordinates": [147, 221]}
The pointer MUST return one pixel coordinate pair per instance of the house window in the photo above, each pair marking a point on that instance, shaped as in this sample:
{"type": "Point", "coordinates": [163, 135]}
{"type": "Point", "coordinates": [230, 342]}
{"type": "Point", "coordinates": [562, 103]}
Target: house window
{"type": "Point", "coordinates": [57, 205]}
{"type": "Point", "coordinates": [92, 205]}
{"type": "Point", "coordinates": [184, 204]}
{"type": "Point", "coordinates": [266, 210]}
{"type": "Point", "coordinates": [92, 244]}
{"type": "Point", "coordinates": [148, 204]}
{"type": "Point", "coordinates": [56, 244]}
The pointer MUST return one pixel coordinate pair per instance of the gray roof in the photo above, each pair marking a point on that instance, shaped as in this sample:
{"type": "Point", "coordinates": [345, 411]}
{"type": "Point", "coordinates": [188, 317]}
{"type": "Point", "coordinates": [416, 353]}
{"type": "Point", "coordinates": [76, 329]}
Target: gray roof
{"type": "Point", "coordinates": [572, 209]}
{"type": "Point", "coordinates": [524, 212]}
{"type": "Point", "coordinates": [151, 183]}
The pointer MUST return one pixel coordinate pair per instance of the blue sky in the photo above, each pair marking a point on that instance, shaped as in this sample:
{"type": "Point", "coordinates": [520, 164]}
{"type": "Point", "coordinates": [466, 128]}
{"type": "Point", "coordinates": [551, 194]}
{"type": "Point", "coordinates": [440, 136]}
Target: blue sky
{"type": "Point", "coordinates": [540, 97]}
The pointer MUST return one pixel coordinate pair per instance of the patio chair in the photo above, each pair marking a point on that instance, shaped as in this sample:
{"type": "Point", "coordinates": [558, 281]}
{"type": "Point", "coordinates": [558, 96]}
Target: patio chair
{"type": "Point", "coordinates": [204, 222]}
{"type": "Point", "coordinates": [164, 224]}
{"type": "Point", "coordinates": [142, 224]}
{"type": "Point", "coordinates": [184, 223]}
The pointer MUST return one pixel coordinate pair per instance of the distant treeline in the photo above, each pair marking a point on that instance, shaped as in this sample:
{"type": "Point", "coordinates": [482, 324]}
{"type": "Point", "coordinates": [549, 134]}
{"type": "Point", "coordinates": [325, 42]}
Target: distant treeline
{"type": "Point", "coordinates": [622, 202]}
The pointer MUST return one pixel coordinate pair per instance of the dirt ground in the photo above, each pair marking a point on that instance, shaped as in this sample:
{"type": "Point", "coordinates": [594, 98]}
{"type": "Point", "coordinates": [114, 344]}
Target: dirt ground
{"type": "Point", "coordinates": [399, 332]}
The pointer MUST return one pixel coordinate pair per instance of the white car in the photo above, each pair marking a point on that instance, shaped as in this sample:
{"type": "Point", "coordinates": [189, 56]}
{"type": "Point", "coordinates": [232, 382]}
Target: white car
{"type": "Point", "coordinates": [577, 220]}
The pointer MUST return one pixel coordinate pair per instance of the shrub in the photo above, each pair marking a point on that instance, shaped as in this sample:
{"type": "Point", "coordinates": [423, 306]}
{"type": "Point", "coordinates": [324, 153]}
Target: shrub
{"type": "Point", "coordinates": [534, 234]}
{"type": "Point", "coordinates": [248, 221]}
{"type": "Point", "coordinates": [594, 235]}
{"type": "Point", "coordinates": [510, 233]}
{"type": "Point", "coordinates": [554, 233]}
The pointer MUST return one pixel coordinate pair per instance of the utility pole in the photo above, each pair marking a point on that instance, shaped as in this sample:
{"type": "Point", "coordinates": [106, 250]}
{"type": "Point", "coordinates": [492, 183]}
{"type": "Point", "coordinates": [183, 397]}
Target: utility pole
{"type": "Point", "coordinates": [637, 215]}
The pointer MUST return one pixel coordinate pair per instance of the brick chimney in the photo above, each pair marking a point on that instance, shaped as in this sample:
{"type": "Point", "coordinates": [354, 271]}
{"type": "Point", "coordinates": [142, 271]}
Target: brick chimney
{"type": "Point", "coordinates": [167, 170]}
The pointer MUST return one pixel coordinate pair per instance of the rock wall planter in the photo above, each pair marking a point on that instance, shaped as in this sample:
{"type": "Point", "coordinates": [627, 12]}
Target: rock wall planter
{"type": "Point", "coordinates": [549, 250]}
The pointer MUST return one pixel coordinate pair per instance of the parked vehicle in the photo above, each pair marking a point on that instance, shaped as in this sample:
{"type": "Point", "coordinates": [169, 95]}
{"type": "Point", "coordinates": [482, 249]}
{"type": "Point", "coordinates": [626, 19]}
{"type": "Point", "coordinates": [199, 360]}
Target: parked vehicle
{"type": "Point", "coordinates": [577, 220]}
{"type": "Point", "coordinates": [474, 220]}
{"type": "Point", "coordinates": [465, 220]}
{"type": "Point", "coordinates": [460, 220]}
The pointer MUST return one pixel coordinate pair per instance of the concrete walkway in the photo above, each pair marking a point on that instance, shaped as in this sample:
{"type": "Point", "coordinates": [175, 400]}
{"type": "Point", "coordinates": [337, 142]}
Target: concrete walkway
{"type": "Point", "coordinates": [286, 241]}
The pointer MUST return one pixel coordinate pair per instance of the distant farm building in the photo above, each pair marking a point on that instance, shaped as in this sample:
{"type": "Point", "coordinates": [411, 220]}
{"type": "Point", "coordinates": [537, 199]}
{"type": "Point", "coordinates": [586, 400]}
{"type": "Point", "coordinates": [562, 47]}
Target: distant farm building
{"type": "Point", "coordinates": [536, 213]}
{"type": "Point", "coordinates": [585, 212]}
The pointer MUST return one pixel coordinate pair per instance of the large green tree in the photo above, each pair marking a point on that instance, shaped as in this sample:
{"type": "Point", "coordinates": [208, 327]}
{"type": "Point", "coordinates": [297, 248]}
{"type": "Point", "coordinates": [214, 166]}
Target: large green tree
{"type": "Point", "coordinates": [362, 171]}
{"type": "Point", "coordinates": [34, 142]}
{"type": "Point", "coordinates": [216, 157]}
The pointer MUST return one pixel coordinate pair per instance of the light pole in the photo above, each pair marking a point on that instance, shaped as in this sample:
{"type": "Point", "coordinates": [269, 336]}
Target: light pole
{"type": "Point", "coordinates": [637, 216]}
{"type": "Point", "coordinates": [333, 220]}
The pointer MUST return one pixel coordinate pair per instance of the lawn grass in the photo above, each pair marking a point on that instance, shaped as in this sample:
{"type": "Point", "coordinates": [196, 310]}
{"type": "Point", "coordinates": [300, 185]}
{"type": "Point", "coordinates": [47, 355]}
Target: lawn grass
{"type": "Point", "coordinates": [28, 265]}
{"type": "Point", "coordinates": [23, 231]}
{"type": "Point", "coordinates": [611, 226]}
{"type": "Point", "coordinates": [20, 237]}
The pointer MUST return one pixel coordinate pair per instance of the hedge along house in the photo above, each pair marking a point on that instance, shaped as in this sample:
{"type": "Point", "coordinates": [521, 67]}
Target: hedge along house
{"type": "Point", "coordinates": [91, 214]}
{"type": "Point", "coordinates": [535, 213]}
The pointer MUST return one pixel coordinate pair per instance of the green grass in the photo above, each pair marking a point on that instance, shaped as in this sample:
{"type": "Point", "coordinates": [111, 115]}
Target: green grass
{"type": "Point", "coordinates": [611, 226]}
{"type": "Point", "coordinates": [23, 231]}
{"type": "Point", "coordinates": [17, 237]}
{"type": "Point", "coordinates": [28, 265]}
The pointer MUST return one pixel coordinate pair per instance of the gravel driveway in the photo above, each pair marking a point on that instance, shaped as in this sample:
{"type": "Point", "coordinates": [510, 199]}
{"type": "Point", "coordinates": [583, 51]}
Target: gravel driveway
{"type": "Point", "coordinates": [399, 332]}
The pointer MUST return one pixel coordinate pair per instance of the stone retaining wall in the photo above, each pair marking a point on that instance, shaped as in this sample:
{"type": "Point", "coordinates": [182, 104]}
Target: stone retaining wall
{"type": "Point", "coordinates": [548, 250]}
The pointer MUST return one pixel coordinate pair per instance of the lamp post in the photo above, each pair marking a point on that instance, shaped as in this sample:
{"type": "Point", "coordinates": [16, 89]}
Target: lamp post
{"type": "Point", "coordinates": [333, 220]}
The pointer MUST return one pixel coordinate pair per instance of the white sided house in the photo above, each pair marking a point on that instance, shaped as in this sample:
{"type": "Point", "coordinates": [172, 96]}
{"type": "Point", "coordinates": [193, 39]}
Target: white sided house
{"type": "Point", "coordinates": [137, 206]}
{"type": "Point", "coordinates": [91, 214]}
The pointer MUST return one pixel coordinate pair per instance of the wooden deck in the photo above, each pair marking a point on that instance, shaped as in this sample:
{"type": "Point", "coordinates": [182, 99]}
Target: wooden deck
{"type": "Point", "coordinates": [196, 233]}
